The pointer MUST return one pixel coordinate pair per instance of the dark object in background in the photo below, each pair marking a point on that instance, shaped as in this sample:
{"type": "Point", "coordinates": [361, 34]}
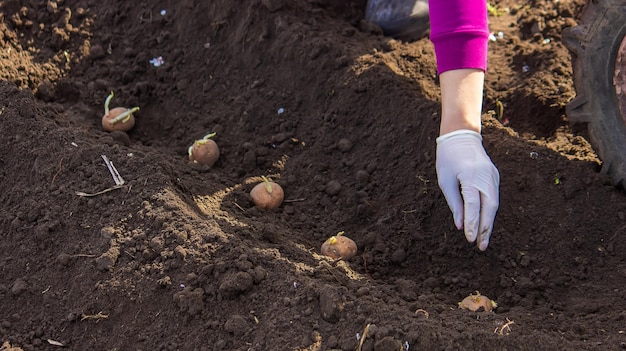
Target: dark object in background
{"type": "Point", "coordinates": [401, 19]}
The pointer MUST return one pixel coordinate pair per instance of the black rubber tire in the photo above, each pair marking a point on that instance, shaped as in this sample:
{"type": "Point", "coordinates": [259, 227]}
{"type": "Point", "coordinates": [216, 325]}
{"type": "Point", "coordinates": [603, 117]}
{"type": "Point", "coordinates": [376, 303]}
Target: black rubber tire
{"type": "Point", "coordinates": [595, 44]}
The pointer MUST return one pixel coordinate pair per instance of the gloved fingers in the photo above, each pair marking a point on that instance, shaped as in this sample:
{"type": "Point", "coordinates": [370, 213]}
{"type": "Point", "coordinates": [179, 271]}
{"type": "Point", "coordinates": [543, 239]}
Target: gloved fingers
{"type": "Point", "coordinates": [484, 236]}
{"type": "Point", "coordinates": [489, 202]}
{"type": "Point", "coordinates": [487, 217]}
{"type": "Point", "coordinates": [471, 197]}
{"type": "Point", "coordinates": [489, 206]}
{"type": "Point", "coordinates": [450, 188]}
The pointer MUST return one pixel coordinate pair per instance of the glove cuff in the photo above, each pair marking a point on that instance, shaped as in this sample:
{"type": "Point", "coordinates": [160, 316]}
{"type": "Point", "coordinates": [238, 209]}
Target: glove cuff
{"type": "Point", "coordinates": [459, 132]}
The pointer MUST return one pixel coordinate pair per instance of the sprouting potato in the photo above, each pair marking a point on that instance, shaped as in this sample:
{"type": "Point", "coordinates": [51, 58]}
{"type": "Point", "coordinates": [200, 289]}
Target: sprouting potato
{"type": "Point", "coordinates": [339, 247]}
{"type": "Point", "coordinates": [477, 302]}
{"type": "Point", "coordinates": [204, 151]}
{"type": "Point", "coordinates": [117, 119]}
{"type": "Point", "coordinates": [267, 195]}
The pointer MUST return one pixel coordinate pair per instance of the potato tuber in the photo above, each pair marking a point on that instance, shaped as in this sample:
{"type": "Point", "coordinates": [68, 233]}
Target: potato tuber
{"type": "Point", "coordinates": [204, 151]}
{"type": "Point", "coordinates": [477, 302]}
{"type": "Point", "coordinates": [118, 119]}
{"type": "Point", "coordinates": [339, 247]}
{"type": "Point", "coordinates": [267, 195]}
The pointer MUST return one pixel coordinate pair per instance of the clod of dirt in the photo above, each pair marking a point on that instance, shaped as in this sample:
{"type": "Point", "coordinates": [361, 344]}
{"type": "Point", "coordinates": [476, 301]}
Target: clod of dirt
{"type": "Point", "coordinates": [45, 90]}
{"type": "Point", "coordinates": [344, 145]}
{"type": "Point", "coordinates": [190, 300]}
{"type": "Point", "coordinates": [64, 259]}
{"type": "Point", "coordinates": [237, 325]}
{"type": "Point", "coordinates": [388, 343]}
{"type": "Point", "coordinates": [236, 284]}
{"type": "Point", "coordinates": [107, 260]}
{"type": "Point", "coordinates": [19, 286]}
{"type": "Point", "coordinates": [120, 137]}
{"type": "Point", "coordinates": [333, 187]}
{"type": "Point", "coordinates": [330, 304]}
{"type": "Point", "coordinates": [477, 302]}
{"type": "Point", "coordinates": [398, 256]}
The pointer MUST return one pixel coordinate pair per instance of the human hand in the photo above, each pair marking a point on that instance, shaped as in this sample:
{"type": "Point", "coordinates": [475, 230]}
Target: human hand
{"type": "Point", "coordinates": [462, 160]}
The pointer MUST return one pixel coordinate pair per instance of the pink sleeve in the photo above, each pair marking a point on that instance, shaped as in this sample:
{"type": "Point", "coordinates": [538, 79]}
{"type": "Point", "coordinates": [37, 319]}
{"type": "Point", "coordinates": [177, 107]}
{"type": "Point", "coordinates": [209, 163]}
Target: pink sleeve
{"type": "Point", "coordinates": [460, 33]}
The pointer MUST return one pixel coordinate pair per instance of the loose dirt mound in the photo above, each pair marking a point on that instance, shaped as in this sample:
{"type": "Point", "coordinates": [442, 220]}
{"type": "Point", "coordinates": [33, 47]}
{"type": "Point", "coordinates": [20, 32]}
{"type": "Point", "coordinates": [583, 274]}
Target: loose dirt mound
{"type": "Point", "coordinates": [313, 97]}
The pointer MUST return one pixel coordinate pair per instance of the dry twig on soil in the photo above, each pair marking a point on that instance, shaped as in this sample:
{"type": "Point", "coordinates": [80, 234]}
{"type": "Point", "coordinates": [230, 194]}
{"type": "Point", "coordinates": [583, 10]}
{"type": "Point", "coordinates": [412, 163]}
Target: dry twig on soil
{"type": "Point", "coordinates": [98, 316]}
{"type": "Point", "coordinates": [423, 312]}
{"type": "Point", "coordinates": [365, 332]}
{"type": "Point", "coordinates": [507, 326]}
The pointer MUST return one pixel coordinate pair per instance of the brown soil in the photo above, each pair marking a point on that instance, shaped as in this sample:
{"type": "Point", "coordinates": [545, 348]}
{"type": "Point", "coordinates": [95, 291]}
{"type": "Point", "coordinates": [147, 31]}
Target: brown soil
{"type": "Point", "coordinates": [306, 93]}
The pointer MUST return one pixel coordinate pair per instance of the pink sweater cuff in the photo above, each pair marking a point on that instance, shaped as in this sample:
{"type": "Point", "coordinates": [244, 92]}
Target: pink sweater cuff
{"type": "Point", "coordinates": [460, 33]}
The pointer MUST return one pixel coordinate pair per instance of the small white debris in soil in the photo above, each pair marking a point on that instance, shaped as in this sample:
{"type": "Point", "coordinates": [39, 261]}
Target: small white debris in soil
{"type": "Point", "coordinates": [157, 61]}
{"type": "Point", "coordinates": [534, 155]}
{"type": "Point", "coordinates": [55, 343]}
{"type": "Point", "coordinates": [163, 12]}
{"type": "Point", "coordinates": [74, 144]}
{"type": "Point", "coordinates": [546, 41]}
{"type": "Point", "coordinates": [492, 37]}
{"type": "Point", "coordinates": [295, 285]}
{"type": "Point", "coordinates": [281, 111]}
{"type": "Point", "coordinates": [500, 35]}
{"type": "Point", "coordinates": [117, 178]}
{"type": "Point", "coordinates": [207, 45]}
{"type": "Point", "coordinates": [525, 69]}
{"type": "Point", "coordinates": [182, 286]}
{"type": "Point", "coordinates": [358, 336]}
{"type": "Point", "coordinates": [406, 346]}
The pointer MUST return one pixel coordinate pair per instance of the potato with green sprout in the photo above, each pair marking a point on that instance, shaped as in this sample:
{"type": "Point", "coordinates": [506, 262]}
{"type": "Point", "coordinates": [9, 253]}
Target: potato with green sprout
{"type": "Point", "coordinates": [119, 118]}
{"type": "Point", "coordinates": [267, 195]}
{"type": "Point", "coordinates": [477, 302]}
{"type": "Point", "coordinates": [339, 247]}
{"type": "Point", "coordinates": [204, 151]}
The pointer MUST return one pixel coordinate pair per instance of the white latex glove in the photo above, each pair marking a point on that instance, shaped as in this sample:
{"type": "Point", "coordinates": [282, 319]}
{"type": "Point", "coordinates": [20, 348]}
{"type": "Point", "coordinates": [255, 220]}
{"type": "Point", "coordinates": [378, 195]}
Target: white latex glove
{"type": "Point", "coordinates": [469, 181]}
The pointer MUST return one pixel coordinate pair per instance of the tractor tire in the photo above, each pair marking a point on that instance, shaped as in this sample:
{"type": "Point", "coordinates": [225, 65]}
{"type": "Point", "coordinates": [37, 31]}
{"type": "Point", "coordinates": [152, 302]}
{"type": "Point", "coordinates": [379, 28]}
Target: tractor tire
{"type": "Point", "coordinates": [598, 47]}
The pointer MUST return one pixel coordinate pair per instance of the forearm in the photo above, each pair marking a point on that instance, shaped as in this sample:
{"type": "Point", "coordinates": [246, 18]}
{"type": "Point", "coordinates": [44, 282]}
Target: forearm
{"type": "Point", "coordinates": [459, 32]}
{"type": "Point", "coordinates": [461, 100]}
